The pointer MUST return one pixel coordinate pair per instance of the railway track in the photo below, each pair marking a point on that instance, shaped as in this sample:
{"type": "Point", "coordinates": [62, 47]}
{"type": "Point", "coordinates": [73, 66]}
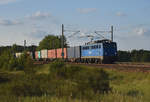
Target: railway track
{"type": "Point", "coordinates": [123, 67]}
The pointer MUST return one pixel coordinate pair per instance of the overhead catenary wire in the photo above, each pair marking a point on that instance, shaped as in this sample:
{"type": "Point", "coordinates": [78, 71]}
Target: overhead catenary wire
{"type": "Point", "coordinates": [100, 33]}
{"type": "Point", "coordinates": [97, 34]}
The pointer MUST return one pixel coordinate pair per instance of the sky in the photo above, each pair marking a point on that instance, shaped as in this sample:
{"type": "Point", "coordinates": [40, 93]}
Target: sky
{"type": "Point", "coordinates": [32, 20]}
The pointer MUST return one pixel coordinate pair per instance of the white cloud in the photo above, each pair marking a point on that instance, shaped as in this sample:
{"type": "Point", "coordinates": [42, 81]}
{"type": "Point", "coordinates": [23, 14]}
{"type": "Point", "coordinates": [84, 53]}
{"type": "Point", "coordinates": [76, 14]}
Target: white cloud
{"type": "Point", "coordinates": [6, 22]}
{"type": "Point", "coordinates": [86, 10]}
{"type": "Point", "coordinates": [6, 1]}
{"type": "Point", "coordinates": [141, 31]}
{"type": "Point", "coordinates": [121, 14]}
{"type": "Point", "coordinates": [39, 15]}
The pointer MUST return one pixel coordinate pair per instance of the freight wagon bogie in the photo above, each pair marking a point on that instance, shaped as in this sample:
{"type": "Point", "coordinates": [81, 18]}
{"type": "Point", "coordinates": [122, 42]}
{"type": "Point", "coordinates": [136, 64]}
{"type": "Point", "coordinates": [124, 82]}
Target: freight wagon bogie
{"type": "Point", "coordinates": [77, 60]}
{"type": "Point", "coordinates": [92, 60]}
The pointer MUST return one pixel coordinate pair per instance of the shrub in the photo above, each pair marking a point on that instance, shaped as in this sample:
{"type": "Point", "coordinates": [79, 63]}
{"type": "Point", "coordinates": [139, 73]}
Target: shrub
{"type": "Point", "coordinates": [97, 80]}
{"type": "Point", "coordinates": [29, 66]}
{"type": "Point", "coordinates": [27, 88]}
{"type": "Point", "coordinates": [9, 62]}
{"type": "Point", "coordinates": [133, 92]}
{"type": "Point", "coordinates": [38, 85]}
{"type": "Point", "coordinates": [5, 59]}
{"type": "Point", "coordinates": [13, 64]}
{"type": "Point", "coordinates": [57, 64]}
{"type": "Point", "coordinates": [85, 79]}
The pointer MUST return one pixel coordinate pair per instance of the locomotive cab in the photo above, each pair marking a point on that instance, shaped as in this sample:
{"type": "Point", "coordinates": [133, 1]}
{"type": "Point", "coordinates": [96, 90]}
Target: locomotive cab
{"type": "Point", "coordinates": [109, 52]}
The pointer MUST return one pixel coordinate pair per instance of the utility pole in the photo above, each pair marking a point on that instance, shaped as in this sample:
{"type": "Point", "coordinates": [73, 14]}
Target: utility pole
{"type": "Point", "coordinates": [112, 32]}
{"type": "Point", "coordinates": [62, 41]}
{"type": "Point", "coordinates": [25, 44]}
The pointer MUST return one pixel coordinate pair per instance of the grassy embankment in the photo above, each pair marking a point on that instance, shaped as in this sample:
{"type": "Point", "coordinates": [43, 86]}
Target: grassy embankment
{"type": "Point", "coordinates": [80, 84]}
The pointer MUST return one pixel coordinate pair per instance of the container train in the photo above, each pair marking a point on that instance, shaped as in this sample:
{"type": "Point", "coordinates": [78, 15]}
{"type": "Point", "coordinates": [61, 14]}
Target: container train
{"type": "Point", "coordinates": [101, 51]}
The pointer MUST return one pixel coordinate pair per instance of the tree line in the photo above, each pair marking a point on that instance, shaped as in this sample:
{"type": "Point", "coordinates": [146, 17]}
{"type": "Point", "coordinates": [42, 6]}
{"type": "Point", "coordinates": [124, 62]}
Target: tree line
{"type": "Point", "coordinates": [134, 56]}
{"type": "Point", "coordinates": [49, 42]}
{"type": "Point", "coordinates": [17, 48]}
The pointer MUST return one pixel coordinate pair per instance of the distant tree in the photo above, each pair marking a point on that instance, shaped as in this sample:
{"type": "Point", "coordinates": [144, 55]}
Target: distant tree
{"type": "Point", "coordinates": [51, 42]}
{"type": "Point", "coordinates": [124, 56]}
{"type": "Point", "coordinates": [14, 48]}
{"type": "Point", "coordinates": [145, 57]}
{"type": "Point", "coordinates": [134, 56]}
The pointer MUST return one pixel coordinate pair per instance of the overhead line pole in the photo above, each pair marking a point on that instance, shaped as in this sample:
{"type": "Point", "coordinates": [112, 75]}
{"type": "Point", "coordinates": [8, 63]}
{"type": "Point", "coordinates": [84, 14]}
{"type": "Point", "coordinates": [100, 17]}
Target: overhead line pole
{"type": "Point", "coordinates": [112, 33]}
{"type": "Point", "coordinates": [25, 44]}
{"type": "Point", "coordinates": [62, 41]}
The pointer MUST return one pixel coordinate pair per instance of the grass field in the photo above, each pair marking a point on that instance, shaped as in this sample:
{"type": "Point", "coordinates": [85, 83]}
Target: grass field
{"type": "Point", "coordinates": [125, 86]}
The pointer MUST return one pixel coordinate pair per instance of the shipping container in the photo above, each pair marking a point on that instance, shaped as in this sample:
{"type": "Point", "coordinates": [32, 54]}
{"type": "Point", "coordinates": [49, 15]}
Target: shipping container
{"type": "Point", "coordinates": [36, 55]}
{"type": "Point", "coordinates": [52, 54]}
{"type": "Point", "coordinates": [59, 53]}
{"type": "Point", "coordinates": [44, 54]}
{"type": "Point", "coordinates": [74, 52]}
{"type": "Point", "coordinates": [70, 52]}
{"type": "Point", "coordinates": [39, 54]}
{"type": "Point", "coordinates": [18, 54]}
{"type": "Point", "coordinates": [78, 52]}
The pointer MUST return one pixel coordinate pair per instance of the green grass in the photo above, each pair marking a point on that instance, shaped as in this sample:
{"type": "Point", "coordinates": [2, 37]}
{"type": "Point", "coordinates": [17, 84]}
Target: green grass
{"type": "Point", "coordinates": [44, 69]}
{"type": "Point", "coordinates": [106, 98]}
{"type": "Point", "coordinates": [131, 83]}
{"type": "Point", "coordinates": [125, 86]}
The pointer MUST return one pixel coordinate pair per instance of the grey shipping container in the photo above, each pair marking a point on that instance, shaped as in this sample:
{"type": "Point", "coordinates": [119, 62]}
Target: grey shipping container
{"type": "Point", "coordinates": [44, 54]}
{"type": "Point", "coordinates": [74, 52]}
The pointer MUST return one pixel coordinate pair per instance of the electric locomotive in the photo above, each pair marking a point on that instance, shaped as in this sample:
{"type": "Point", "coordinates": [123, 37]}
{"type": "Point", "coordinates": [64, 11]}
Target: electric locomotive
{"type": "Point", "coordinates": [101, 51]}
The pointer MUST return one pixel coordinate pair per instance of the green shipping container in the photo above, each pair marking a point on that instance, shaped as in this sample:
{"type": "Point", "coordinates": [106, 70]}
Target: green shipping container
{"type": "Point", "coordinates": [39, 54]}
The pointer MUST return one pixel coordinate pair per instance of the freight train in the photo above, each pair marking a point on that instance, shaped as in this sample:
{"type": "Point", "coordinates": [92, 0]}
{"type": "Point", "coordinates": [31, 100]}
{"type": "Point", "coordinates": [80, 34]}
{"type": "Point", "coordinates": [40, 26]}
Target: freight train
{"type": "Point", "coordinates": [101, 51]}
